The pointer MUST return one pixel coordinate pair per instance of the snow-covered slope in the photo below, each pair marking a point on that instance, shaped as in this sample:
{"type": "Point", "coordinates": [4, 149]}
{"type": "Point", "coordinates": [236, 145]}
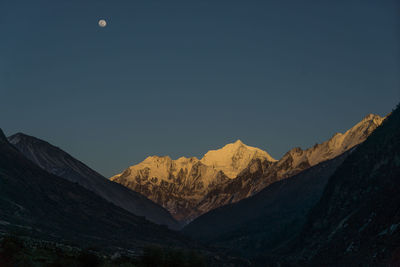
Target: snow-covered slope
{"type": "Point", "coordinates": [259, 174]}
{"type": "Point", "coordinates": [179, 185]}
{"type": "Point", "coordinates": [163, 169]}
{"type": "Point", "coordinates": [189, 187]}
{"type": "Point", "coordinates": [339, 143]}
{"type": "Point", "coordinates": [233, 158]}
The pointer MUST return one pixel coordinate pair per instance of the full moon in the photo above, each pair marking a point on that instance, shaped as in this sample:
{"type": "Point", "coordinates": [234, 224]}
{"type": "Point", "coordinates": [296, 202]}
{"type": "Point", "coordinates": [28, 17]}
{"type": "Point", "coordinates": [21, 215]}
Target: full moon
{"type": "Point", "coordinates": [102, 23]}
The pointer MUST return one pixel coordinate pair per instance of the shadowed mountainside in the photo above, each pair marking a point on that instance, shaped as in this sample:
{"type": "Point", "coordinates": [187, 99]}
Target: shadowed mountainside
{"type": "Point", "coordinates": [267, 219]}
{"type": "Point", "coordinates": [49, 207]}
{"type": "Point", "coordinates": [356, 221]}
{"type": "Point", "coordinates": [58, 162]}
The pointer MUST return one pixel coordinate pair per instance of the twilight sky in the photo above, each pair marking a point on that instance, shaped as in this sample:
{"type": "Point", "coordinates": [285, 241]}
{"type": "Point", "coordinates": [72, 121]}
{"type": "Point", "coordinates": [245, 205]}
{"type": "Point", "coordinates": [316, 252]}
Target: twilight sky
{"type": "Point", "coordinates": [179, 78]}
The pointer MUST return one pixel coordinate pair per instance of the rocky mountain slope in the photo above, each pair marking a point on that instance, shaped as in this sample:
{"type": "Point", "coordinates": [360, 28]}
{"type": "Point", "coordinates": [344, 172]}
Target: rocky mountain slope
{"type": "Point", "coordinates": [356, 221]}
{"type": "Point", "coordinates": [179, 185]}
{"type": "Point", "coordinates": [260, 174]}
{"type": "Point", "coordinates": [58, 162]}
{"type": "Point", "coordinates": [42, 205]}
{"type": "Point", "coordinates": [191, 187]}
{"type": "Point", "coordinates": [269, 218]}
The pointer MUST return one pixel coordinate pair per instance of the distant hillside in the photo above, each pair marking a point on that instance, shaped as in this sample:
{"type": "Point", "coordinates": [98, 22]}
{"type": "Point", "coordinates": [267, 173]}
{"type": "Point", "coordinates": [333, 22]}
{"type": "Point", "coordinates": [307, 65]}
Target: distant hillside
{"type": "Point", "coordinates": [60, 163]}
{"type": "Point", "coordinates": [43, 205]}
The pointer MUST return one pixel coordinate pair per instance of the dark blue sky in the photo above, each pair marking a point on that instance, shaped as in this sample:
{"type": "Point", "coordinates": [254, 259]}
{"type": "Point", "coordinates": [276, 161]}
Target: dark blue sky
{"type": "Point", "coordinates": [182, 77]}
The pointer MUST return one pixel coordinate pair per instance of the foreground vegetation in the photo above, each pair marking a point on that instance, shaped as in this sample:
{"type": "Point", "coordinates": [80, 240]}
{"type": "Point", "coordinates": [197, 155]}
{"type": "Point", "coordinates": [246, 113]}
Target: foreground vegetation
{"type": "Point", "coordinates": [15, 251]}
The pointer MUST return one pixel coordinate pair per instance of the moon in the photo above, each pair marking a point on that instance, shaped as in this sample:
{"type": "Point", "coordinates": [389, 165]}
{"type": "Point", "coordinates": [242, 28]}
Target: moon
{"type": "Point", "coordinates": [102, 23]}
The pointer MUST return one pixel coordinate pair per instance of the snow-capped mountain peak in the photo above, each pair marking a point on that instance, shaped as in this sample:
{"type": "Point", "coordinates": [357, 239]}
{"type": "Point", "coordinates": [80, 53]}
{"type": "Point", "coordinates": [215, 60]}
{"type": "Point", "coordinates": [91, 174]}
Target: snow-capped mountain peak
{"type": "Point", "coordinates": [234, 157]}
{"type": "Point", "coordinates": [180, 184]}
{"type": "Point", "coordinates": [189, 187]}
{"type": "Point", "coordinates": [336, 145]}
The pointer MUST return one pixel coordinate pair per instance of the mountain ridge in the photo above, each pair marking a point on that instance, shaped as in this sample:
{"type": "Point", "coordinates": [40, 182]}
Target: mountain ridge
{"type": "Point", "coordinates": [249, 171]}
{"type": "Point", "coordinates": [267, 219]}
{"type": "Point", "coordinates": [2, 136]}
{"type": "Point", "coordinates": [179, 184]}
{"type": "Point", "coordinates": [56, 161]}
{"type": "Point", "coordinates": [52, 208]}
{"type": "Point", "coordinates": [355, 222]}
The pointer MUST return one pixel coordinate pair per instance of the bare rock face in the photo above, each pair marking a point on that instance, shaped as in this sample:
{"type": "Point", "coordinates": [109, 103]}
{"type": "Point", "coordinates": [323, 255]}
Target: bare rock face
{"type": "Point", "coordinates": [189, 187]}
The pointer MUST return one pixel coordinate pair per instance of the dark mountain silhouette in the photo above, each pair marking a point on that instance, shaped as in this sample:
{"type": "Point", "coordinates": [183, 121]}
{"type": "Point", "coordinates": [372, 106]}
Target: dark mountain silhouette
{"type": "Point", "coordinates": [60, 163]}
{"type": "Point", "coordinates": [269, 218]}
{"type": "Point", "coordinates": [357, 220]}
{"type": "Point", "coordinates": [340, 212]}
{"type": "Point", "coordinates": [49, 207]}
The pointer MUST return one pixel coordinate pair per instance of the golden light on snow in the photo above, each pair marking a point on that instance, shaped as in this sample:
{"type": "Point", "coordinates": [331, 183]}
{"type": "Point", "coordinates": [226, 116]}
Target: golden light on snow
{"type": "Point", "coordinates": [102, 23]}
